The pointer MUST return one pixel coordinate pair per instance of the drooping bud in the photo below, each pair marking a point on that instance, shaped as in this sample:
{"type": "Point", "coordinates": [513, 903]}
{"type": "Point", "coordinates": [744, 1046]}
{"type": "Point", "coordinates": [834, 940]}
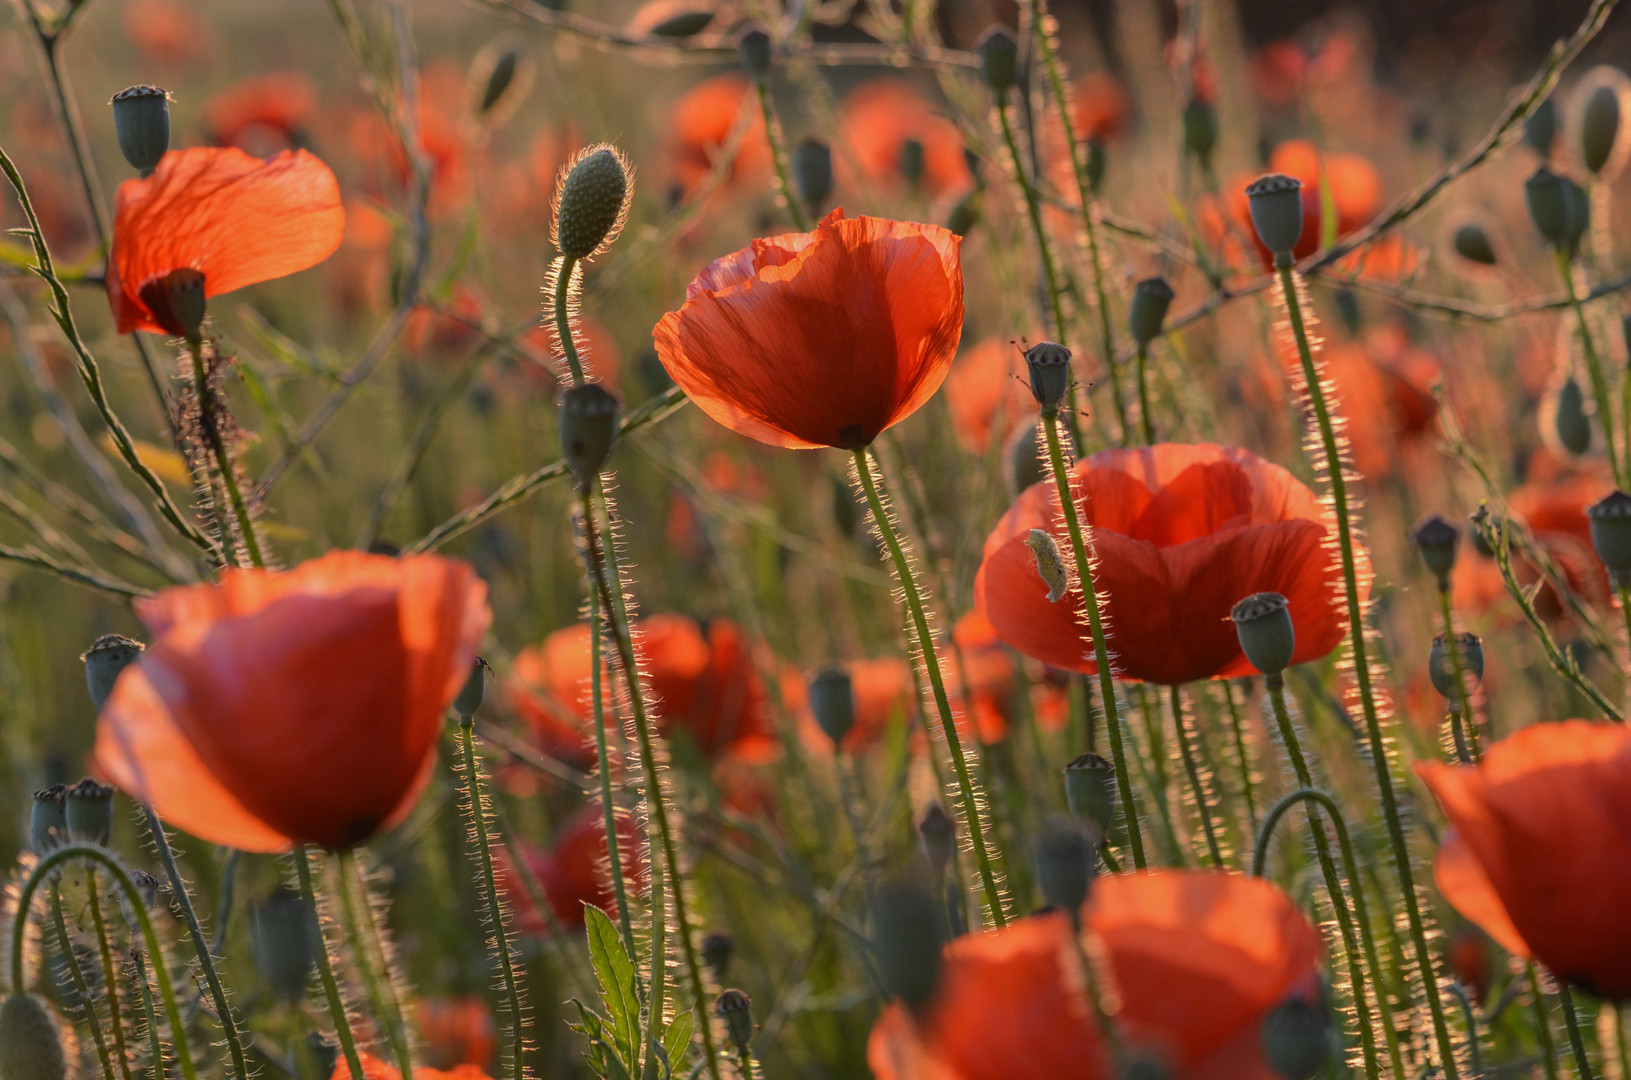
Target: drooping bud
{"type": "Point", "coordinates": [717, 948]}
{"type": "Point", "coordinates": [141, 119]}
{"type": "Point", "coordinates": [907, 937]}
{"type": "Point", "coordinates": [475, 688]}
{"type": "Point", "coordinates": [1558, 207]}
{"type": "Point", "coordinates": [999, 59]}
{"type": "Point", "coordinates": [832, 703]}
{"type": "Point", "coordinates": [1276, 203]}
{"type": "Point", "coordinates": [1472, 243]}
{"type": "Point", "coordinates": [1148, 311]}
{"type": "Point", "coordinates": [48, 824]}
{"type": "Point", "coordinates": [588, 429]}
{"type": "Point", "coordinates": [1201, 131]}
{"type": "Point", "coordinates": [937, 835]}
{"type": "Point", "coordinates": [1570, 422]}
{"type": "Point", "coordinates": [1611, 534]}
{"type": "Point", "coordinates": [90, 812]}
{"type": "Point", "coordinates": [1063, 859]}
{"type": "Point", "coordinates": [1540, 128]}
{"type": "Point", "coordinates": [1297, 1039]}
{"type": "Point", "coordinates": [1441, 666]}
{"type": "Point", "coordinates": [1436, 538]}
{"type": "Point", "coordinates": [592, 202]}
{"type": "Point", "coordinates": [812, 174]}
{"type": "Point", "coordinates": [911, 161]}
{"type": "Point", "coordinates": [176, 302]}
{"type": "Point", "coordinates": [1049, 365]}
{"type": "Point", "coordinates": [1267, 637]}
{"type": "Point", "coordinates": [1090, 791]}
{"type": "Point", "coordinates": [683, 25]}
{"type": "Point", "coordinates": [754, 48]}
{"type": "Point", "coordinates": [735, 1008]}
{"type": "Point", "coordinates": [108, 655]}
{"type": "Point", "coordinates": [1049, 566]}
{"type": "Point", "coordinates": [503, 72]}
{"type": "Point", "coordinates": [283, 941]}
{"type": "Point", "coordinates": [30, 1041]}
{"type": "Point", "coordinates": [1601, 127]}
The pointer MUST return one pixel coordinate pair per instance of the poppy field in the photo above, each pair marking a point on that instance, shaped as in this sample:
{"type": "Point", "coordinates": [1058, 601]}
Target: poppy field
{"type": "Point", "coordinates": [914, 539]}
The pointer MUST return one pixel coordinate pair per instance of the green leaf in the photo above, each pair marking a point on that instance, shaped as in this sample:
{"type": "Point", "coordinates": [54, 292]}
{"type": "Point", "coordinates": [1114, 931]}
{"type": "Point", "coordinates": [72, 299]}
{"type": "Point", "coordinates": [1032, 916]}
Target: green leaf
{"type": "Point", "coordinates": [677, 1040]}
{"type": "Point", "coordinates": [615, 970]}
{"type": "Point", "coordinates": [603, 1056]}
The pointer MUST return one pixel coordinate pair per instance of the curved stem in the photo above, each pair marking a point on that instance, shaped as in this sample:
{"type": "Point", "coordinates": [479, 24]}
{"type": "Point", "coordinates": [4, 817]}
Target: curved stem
{"type": "Point", "coordinates": [210, 421]}
{"type": "Point", "coordinates": [778, 155]}
{"type": "Point", "coordinates": [1594, 368]}
{"type": "Point", "coordinates": [378, 983]}
{"type": "Point", "coordinates": [1577, 1043]}
{"type": "Point", "coordinates": [972, 810]}
{"type": "Point", "coordinates": [82, 988]}
{"type": "Point", "coordinates": [325, 968]}
{"type": "Point", "coordinates": [110, 979]}
{"type": "Point", "coordinates": [495, 914]}
{"type": "Point", "coordinates": [563, 316]}
{"type": "Point", "coordinates": [1101, 654]}
{"type": "Point", "coordinates": [1145, 423]}
{"type": "Point", "coordinates": [1466, 724]}
{"type": "Point", "coordinates": [1193, 771]}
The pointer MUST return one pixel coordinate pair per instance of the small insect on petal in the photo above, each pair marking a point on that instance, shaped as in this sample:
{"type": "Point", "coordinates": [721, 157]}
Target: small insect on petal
{"type": "Point", "coordinates": [1049, 566]}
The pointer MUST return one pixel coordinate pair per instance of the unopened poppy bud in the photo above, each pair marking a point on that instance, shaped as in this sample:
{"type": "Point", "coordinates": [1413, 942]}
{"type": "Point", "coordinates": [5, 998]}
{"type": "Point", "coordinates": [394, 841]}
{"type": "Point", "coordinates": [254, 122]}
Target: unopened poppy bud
{"type": "Point", "coordinates": [832, 703]}
{"type": "Point", "coordinates": [475, 688]}
{"type": "Point", "coordinates": [141, 120]}
{"type": "Point", "coordinates": [48, 824]}
{"type": "Point", "coordinates": [907, 937]}
{"type": "Point", "coordinates": [812, 173]}
{"type": "Point", "coordinates": [1063, 858]}
{"type": "Point", "coordinates": [736, 1009]}
{"type": "Point", "coordinates": [108, 655]}
{"type": "Point", "coordinates": [1049, 566]}
{"type": "Point", "coordinates": [717, 948]}
{"type": "Point", "coordinates": [1559, 209]}
{"type": "Point", "coordinates": [1611, 534]}
{"type": "Point", "coordinates": [1600, 122]}
{"type": "Point", "coordinates": [1267, 637]}
{"type": "Point", "coordinates": [910, 161]}
{"type": "Point", "coordinates": [592, 203]}
{"type": "Point", "coordinates": [1436, 538]}
{"type": "Point", "coordinates": [1441, 666]}
{"type": "Point", "coordinates": [683, 25]}
{"type": "Point", "coordinates": [1049, 365]}
{"type": "Point", "coordinates": [1090, 791]}
{"type": "Point", "coordinates": [1540, 129]}
{"type": "Point", "coordinates": [1201, 130]}
{"type": "Point", "coordinates": [1296, 1039]}
{"type": "Point", "coordinates": [1569, 420]}
{"type": "Point", "coordinates": [283, 943]}
{"type": "Point", "coordinates": [1095, 164]}
{"type": "Point", "coordinates": [999, 59]}
{"type": "Point", "coordinates": [1148, 311]}
{"type": "Point", "coordinates": [90, 812]}
{"type": "Point", "coordinates": [588, 429]}
{"type": "Point", "coordinates": [754, 47]}
{"type": "Point", "coordinates": [503, 70]}
{"type": "Point", "coordinates": [1024, 459]}
{"type": "Point", "coordinates": [1276, 203]}
{"type": "Point", "coordinates": [1472, 243]}
{"type": "Point", "coordinates": [30, 1042]}
{"type": "Point", "coordinates": [937, 834]}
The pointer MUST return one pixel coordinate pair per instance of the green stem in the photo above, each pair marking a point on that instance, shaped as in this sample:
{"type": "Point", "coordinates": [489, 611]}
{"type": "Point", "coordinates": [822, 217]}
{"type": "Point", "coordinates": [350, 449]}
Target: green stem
{"type": "Point", "coordinates": [778, 155]}
{"type": "Point", "coordinates": [325, 967]}
{"type": "Point", "coordinates": [1594, 368]}
{"type": "Point", "coordinates": [1101, 653]}
{"type": "Point", "coordinates": [377, 981]}
{"type": "Point", "coordinates": [972, 810]}
{"type": "Point", "coordinates": [659, 967]}
{"type": "Point", "coordinates": [82, 988]}
{"type": "Point", "coordinates": [1577, 1042]}
{"type": "Point", "coordinates": [1466, 726]}
{"type": "Point", "coordinates": [155, 1045]}
{"type": "Point", "coordinates": [110, 980]}
{"type": "Point", "coordinates": [1145, 423]}
{"type": "Point", "coordinates": [563, 317]}
{"type": "Point", "coordinates": [1033, 209]}
{"type": "Point", "coordinates": [209, 420]}
{"type": "Point", "coordinates": [1156, 772]}
{"type": "Point", "coordinates": [1362, 675]}
{"type": "Point", "coordinates": [1543, 1023]}
{"type": "Point", "coordinates": [1238, 729]}
{"type": "Point", "coordinates": [489, 880]}
{"type": "Point", "coordinates": [1193, 771]}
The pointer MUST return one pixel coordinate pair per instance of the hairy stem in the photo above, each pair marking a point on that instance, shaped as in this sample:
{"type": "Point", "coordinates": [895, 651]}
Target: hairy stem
{"type": "Point", "coordinates": [375, 966]}
{"type": "Point", "coordinates": [1577, 1042]}
{"type": "Point", "coordinates": [608, 801]}
{"type": "Point", "coordinates": [82, 989]}
{"type": "Point", "coordinates": [489, 881]}
{"type": "Point", "coordinates": [778, 155]}
{"type": "Point", "coordinates": [1238, 730]}
{"type": "Point", "coordinates": [110, 980]}
{"type": "Point", "coordinates": [325, 967]}
{"type": "Point", "coordinates": [1192, 770]}
{"type": "Point", "coordinates": [210, 420]}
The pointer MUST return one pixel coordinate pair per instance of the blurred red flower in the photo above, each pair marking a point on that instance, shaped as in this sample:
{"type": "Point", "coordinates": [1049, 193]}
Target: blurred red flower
{"type": "Point", "coordinates": [1555, 512]}
{"type": "Point", "coordinates": [700, 124]}
{"type": "Point", "coordinates": [261, 114]}
{"type": "Point", "coordinates": [987, 390]}
{"type": "Point", "coordinates": [1098, 106]}
{"type": "Point", "coordinates": [884, 694]}
{"type": "Point", "coordinates": [876, 122]}
{"type": "Point", "coordinates": [375, 1069]}
{"type": "Point", "coordinates": [165, 31]}
{"type": "Point", "coordinates": [457, 1031]}
{"type": "Point", "coordinates": [575, 871]}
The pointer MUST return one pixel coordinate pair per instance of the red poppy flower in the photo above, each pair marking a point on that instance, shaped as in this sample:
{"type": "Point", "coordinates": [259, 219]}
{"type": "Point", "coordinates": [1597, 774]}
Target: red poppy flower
{"type": "Point", "coordinates": [700, 124]}
{"type": "Point", "coordinates": [1356, 192]}
{"type": "Point", "coordinates": [294, 707]}
{"type": "Point", "coordinates": [456, 1032]}
{"type": "Point", "coordinates": [261, 114]}
{"type": "Point", "coordinates": [1098, 106]}
{"type": "Point", "coordinates": [986, 663]}
{"type": "Point", "coordinates": [237, 219]}
{"type": "Point", "coordinates": [574, 872]}
{"type": "Point", "coordinates": [1182, 533]}
{"type": "Point", "coordinates": [442, 138]}
{"type": "Point", "coordinates": [1196, 958]}
{"type": "Point", "coordinates": [165, 31]}
{"type": "Point", "coordinates": [884, 694]}
{"type": "Point", "coordinates": [1540, 850]}
{"type": "Point", "coordinates": [880, 117]}
{"type": "Point", "coordinates": [375, 1069]}
{"type": "Point", "coordinates": [987, 391]}
{"type": "Point", "coordinates": [823, 338]}
{"type": "Point", "coordinates": [1468, 954]}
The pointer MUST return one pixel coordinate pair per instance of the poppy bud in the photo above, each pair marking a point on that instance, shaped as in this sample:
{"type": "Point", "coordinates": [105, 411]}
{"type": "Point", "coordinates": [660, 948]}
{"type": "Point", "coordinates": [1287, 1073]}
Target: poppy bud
{"type": "Point", "coordinates": [966, 214]}
{"type": "Point", "coordinates": [1063, 858]}
{"type": "Point", "coordinates": [1263, 623]}
{"type": "Point", "coordinates": [1049, 566]}
{"type": "Point", "coordinates": [910, 162]}
{"type": "Point", "coordinates": [1436, 537]}
{"type": "Point", "coordinates": [906, 934]}
{"type": "Point", "coordinates": [812, 173]}
{"type": "Point", "coordinates": [30, 1044]}
{"type": "Point", "coordinates": [755, 49]}
{"type": "Point", "coordinates": [1049, 366]}
{"type": "Point", "coordinates": [1441, 669]}
{"type": "Point", "coordinates": [736, 1009]}
{"type": "Point", "coordinates": [1148, 311]}
{"type": "Point", "coordinates": [104, 660]}
{"type": "Point", "coordinates": [503, 70]}
{"type": "Point", "coordinates": [999, 59]}
{"type": "Point", "coordinates": [1600, 122]}
{"type": "Point", "coordinates": [592, 202]}
{"type": "Point", "coordinates": [475, 688]}
{"type": "Point", "coordinates": [283, 944]}
{"type": "Point", "coordinates": [90, 812]}
{"type": "Point", "coordinates": [685, 24]}
{"type": "Point", "coordinates": [937, 834]}
{"type": "Point", "coordinates": [1277, 214]}
{"type": "Point", "coordinates": [1095, 164]}
{"type": "Point", "coordinates": [832, 703]}
{"type": "Point", "coordinates": [48, 824]}
{"type": "Point", "coordinates": [1611, 534]}
{"type": "Point", "coordinates": [1472, 244]}
{"type": "Point", "coordinates": [1024, 463]}
{"type": "Point", "coordinates": [141, 120]}
{"type": "Point", "coordinates": [588, 429]}
{"type": "Point", "coordinates": [1090, 791]}
{"type": "Point", "coordinates": [1569, 419]}
{"type": "Point", "coordinates": [717, 948]}
{"type": "Point", "coordinates": [1201, 130]}
{"type": "Point", "coordinates": [177, 301]}
{"type": "Point", "coordinates": [1540, 128]}
{"type": "Point", "coordinates": [1296, 1039]}
{"type": "Point", "coordinates": [1558, 208]}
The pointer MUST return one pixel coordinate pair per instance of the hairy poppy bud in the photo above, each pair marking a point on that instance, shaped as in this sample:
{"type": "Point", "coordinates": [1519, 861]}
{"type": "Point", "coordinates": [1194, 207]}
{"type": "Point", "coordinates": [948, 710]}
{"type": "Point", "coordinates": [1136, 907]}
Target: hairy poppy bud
{"type": "Point", "coordinates": [717, 948]}
{"type": "Point", "coordinates": [754, 47]}
{"type": "Point", "coordinates": [1024, 459]}
{"type": "Point", "coordinates": [1472, 243]}
{"type": "Point", "coordinates": [911, 162]}
{"type": "Point", "coordinates": [104, 660]}
{"type": "Point", "coordinates": [1049, 366]}
{"type": "Point", "coordinates": [1540, 128]}
{"type": "Point", "coordinates": [812, 173]}
{"type": "Point", "coordinates": [1436, 537]}
{"type": "Point", "coordinates": [1276, 204]}
{"type": "Point", "coordinates": [90, 812]}
{"type": "Point", "coordinates": [937, 834]}
{"type": "Point", "coordinates": [141, 120]}
{"type": "Point", "coordinates": [832, 703]}
{"type": "Point", "coordinates": [1148, 311]}
{"type": "Point", "coordinates": [48, 824]}
{"type": "Point", "coordinates": [999, 59]}
{"type": "Point", "coordinates": [736, 1009]}
{"type": "Point", "coordinates": [1263, 624]}
{"type": "Point", "coordinates": [683, 25]}
{"type": "Point", "coordinates": [1569, 420]}
{"type": "Point", "coordinates": [1063, 857]}
{"type": "Point", "coordinates": [588, 429]}
{"type": "Point", "coordinates": [1441, 669]}
{"type": "Point", "coordinates": [1558, 207]}
{"type": "Point", "coordinates": [1090, 791]}
{"type": "Point", "coordinates": [1601, 125]}
{"type": "Point", "coordinates": [592, 202]}
{"type": "Point", "coordinates": [906, 934]}
{"type": "Point", "coordinates": [475, 688]}
{"type": "Point", "coordinates": [1611, 534]}
{"type": "Point", "coordinates": [1049, 566]}
{"type": "Point", "coordinates": [30, 1043]}
{"type": "Point", "coordinates": [1201, 130]}
{"type": "Point", "coordinates": [1296, 1039]}
{"type": "Point", "coordinates": [283, 942]}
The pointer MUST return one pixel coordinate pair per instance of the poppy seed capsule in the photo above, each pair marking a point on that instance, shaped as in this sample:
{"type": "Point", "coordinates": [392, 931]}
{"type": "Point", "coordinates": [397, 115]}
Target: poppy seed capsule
{"type": "Point", "coordinates": [48, 823]}
{"type": "Point", "coordinates": [1267, 637]}
{"type": "Point", "coordinates": [812, 173]}
{"type": "Point", "coordinates": [1049, 365]}
{"type": "Point", "coordinates": [1436, 537]}
{"type": "Point", "coordinates": [1148, 311]}
{"type": "Point", "coordinates": [736, 1009]}
{"type": "Point", "coordinates": [475, 688]}
{"type": "Point", "coordinates": [685, 24]}
{"type": "Point", "coordinates": [1611, 534]}
{"type": "Point", "coordinates": [1472, 244]}
{"type": "Point", "coordinates": [1558, 207]}
{"type": "Point", "coordinates": [1540, 128]}
{"type": "Point", "coordinates": [1063, 858]}
{"type": "Point", "coordinates": [910, 161]}
{"type": "Point", "coordinates": [1441, 667]}
{"type": "Point", "coordinates": [30, 1043]}
{"type": "Point", "coordinates": [588, 429]}
{"type": "Point", "coordinates": [592, 202]}
{"type": "Point", "coordinates": [1276, 204]}
{"type": "Point", "coordinates": [754, 48]}
{"type": "Point", "coordinates": [1090, 791]}
{"type": "Point", "coordinates": [141, 120]}
{"type": "Point", "coordinates": [1569, 420]}
{"type": "Point", "coordinates": [999, 59]}
{"type": "Point", "coordinates": [1296, 1039]}
{"type": "Point", "coordinates": [1600, 127]}
{"type": "Point", "coordinates": [937, 834]}
{"type": "Point", "coordinates": [907, 937]}
{"type": "Point", "coordinates": [108, 655]}
{"type": "Point", "coordinates": [832, 703]}
{"type": "Point", "coordinates": [717, 948]}
{"type": "Point", "coordinates": [1201, 130]}
{"type": "Point", "coordinates": [90, 812]}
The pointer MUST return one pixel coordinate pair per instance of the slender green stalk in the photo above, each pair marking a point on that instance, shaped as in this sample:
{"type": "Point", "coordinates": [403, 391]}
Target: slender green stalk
{"type": "Point", "coordinates": [1238, 729]}
{"type": "Point", "coordinates": [983, 854]}
{"type": "Point", "coordinates": [778, 155]}
{"type": "Point", "coordinates": [1146, 424]}
{"type": "Point", "coordinates": [210, 421]}
{"type": "Point", "coordinates": [325, 967]}
{"type": "Point", "coordinates": [1594, 370]}
{"type": "Point", "coordinates": [110, 979]}
{"type": "Point", "coordinates": [1033, 209]}
{"type": "Point", "coordinates": [659, 965]}
{"type": "Point", "coordinates": [1466, 725]}
{"type": "Point", "coordinates": [1362, 674]}
{"type": "Point", "coordinates": [563, 316]}
{"type": "Point", "coordinates": [1577, 1042]}
{"type": "Point", "coordinates": [1156, 772]}
{"type": "Point", "coordinates": [372, 962]}
{"type": "Point", "coordinates": [1193, 771]}
{"type": "Point", "coordinates": [1543, 1023]}
{"type": "Point", "coordinates": [489, 881]}
{"type": "Point", "coordinates": [82, 988]}
{"type": "Point", "coordinates": [155, 1045]}
{"type": "Point", "coordinates": [608, 802]}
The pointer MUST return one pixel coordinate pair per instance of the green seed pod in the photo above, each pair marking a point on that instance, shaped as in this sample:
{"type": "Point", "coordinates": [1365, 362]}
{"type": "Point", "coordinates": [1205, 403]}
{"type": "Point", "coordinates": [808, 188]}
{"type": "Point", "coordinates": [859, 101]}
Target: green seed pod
{"type": "Point", "coordinates": [832, 703]}
{"type": "Point", "coordinates": [1049, 566]}
{"type": "Point", "coordinates": [937, 835]}
{"type": "Point", "coordinates": [717, 948]}
{"type": "Point", "coordinates": [1611, 534]}
{"type": "Point", "coordinates": [90, 812]}
{"type": "Point", "coordinates": [1024, 459]}
{"type": "Point", "coordinates": [999, 59]}
{"type": "Point", "coordinates": [1148, 311]}
{"type": "Point", "coordinates": [1472, 244]}
{"type": "Point", "coordinates": [1555, 206]}
{"type": "Point", "coordinates": [910, 162]}
{"type": "Point", "coordinates": [592, 203]}
{"type": "Point", "coordinates": [498, 80]}
{"type": "Point", "coordinates": [1297, 1039]}
{"type": "Point", "coordinates": [1267, 637]}
{"type": "Point", "coordinates": [1436, 537]}
{"type": "Point", "coordinates": [1578, 204]}
{"type": "Point", "coordinates": [475, 688]}
{"type": "Point", "coordinates": [812, 174]}
{"type": "Point", "coordinates": [1569, 419]}
{"type": "Point", "coordinates": [141, 120]}
{"type": "Point", "coordinates": [1201, 131]}
{"type": "Point", "coordinates": [1063, 858]}
{"type": "Point", "coordinates": [1599, 124]}
{"type": "Point", "coordinates": [30, 1041]}
{"type": "Point", "coordinates": [48, 823]}
{"type": "Point", "coordinates": [685, 24]}
{"type": "Point", "coordinates": [283, 941]}
{"type": "Point", "coordinates": [104, 660]}
{"type": "Point", "coordinates": [906, 930]}
{"type": "Point", "coordinates": [1090, 791]}
{"type": "Point", "coordinates": [1441, 668]}
{"type": "Point", "coordinates": [588, 429]}
{"type": "Point", "coordinates": [735, 1008]}
{"type": "Point", "coordinates": [1540, 129]}
{"type": "Point", "coordinates": [1276, 204]}
{"type": "Point", "coordinates": [754, 48]}
{"type": "Point", "coordinates": [1049, 365]}
{"type": "Point", "coordinates": [966, 214]}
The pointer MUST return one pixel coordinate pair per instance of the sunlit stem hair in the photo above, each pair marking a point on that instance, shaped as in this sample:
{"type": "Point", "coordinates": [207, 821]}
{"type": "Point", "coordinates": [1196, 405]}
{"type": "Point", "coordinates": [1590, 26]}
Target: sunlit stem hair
{"type": "Point", "coordinates": [325, 965]}
{"type": "Point", "coordinates": [1197, 784]}
{"type": "Point", "coordinates": [212, 422]}
{"type": "Point", "coordinates": [110, 979]}
{"type": "Point", "coordinates": [76, 975]}
{"type": "Point", "coordinates": [373, 956]}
